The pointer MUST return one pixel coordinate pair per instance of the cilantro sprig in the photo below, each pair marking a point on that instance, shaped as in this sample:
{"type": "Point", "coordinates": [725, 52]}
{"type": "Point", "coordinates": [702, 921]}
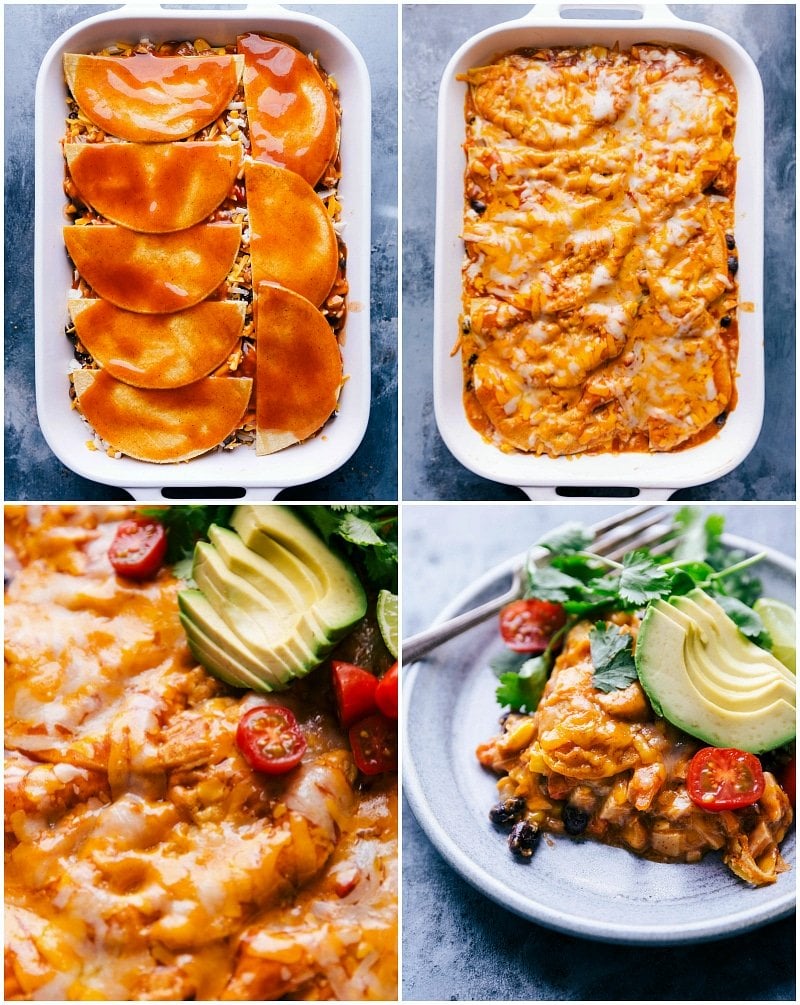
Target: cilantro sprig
{"type": "Point", "coordinates": [185, 526]}
{"type": "Point", "coordinates": [367, 534]}
{"type": "Point", "coordinates": [591, 586]}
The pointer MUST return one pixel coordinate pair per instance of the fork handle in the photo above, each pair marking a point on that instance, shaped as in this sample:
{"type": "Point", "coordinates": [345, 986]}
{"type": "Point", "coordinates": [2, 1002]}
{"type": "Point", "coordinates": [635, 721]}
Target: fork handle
{"type": "Point", "coordinates": [422, 643]}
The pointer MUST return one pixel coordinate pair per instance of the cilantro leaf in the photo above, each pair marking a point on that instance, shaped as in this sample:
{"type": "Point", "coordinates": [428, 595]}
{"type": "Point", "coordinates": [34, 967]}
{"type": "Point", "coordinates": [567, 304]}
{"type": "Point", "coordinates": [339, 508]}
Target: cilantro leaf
{"type": "Point", "coordinates": [522, 690]}
{"type": "Point", "coordinates": [570, 537]}
{"type": "Point", "coordinates": [643, 579]}
{"type": "Point", "coordinates": [185, 526]}
{"type": "Point", "coordinates": [612, 657]}
{"type": "Point", "coordinates": [547, 583]}
{"type": "Point", "coordinates": [366, 534]}
{"type": "Point", "coordinates": [746, 620]}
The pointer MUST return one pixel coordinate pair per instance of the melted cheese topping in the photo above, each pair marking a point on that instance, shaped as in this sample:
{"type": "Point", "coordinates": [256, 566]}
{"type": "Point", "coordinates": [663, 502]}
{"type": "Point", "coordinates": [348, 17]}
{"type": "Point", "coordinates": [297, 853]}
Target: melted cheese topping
{"type": "Point", "coordinates": [607, 756]}
{"type": "Point", "coordinates": [145, 860]}
{"type": "Point", "coordinates": [599, 300]}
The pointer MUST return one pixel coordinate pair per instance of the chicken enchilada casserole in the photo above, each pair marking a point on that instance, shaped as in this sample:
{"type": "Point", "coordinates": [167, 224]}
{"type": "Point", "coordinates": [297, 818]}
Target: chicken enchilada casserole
{"type": "Point", "coordinates": [649, 706]}
{"type": "Point", "coordinates": [202, 184]}
{"type": "Point", "coordinates": [599, 291]}
{"type": "Point", "coordinates": [176, 830]}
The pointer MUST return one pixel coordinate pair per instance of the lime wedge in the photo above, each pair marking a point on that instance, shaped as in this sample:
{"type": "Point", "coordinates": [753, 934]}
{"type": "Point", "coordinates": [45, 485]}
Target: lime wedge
{"type": "Point", "coordinates": [387, 619]}
{"type": "Point", "coordinates": [781, 623]}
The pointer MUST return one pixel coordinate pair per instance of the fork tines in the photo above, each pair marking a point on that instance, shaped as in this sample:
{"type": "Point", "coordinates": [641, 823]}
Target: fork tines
{"type": "Point", "coordinates": [641, 527]}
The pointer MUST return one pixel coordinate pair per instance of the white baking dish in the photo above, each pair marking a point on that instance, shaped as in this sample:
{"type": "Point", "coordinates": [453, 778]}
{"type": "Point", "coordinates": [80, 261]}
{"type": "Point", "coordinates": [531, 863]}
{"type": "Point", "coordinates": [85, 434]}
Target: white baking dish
{"type": "Point", "coordinates": [64, 430]}
{"type": "Point", "coordinates": [654, 475]}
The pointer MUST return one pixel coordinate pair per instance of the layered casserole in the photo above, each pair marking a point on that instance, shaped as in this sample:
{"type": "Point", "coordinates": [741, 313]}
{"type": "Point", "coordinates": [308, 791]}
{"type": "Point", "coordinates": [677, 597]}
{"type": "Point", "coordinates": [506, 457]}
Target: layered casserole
{"type": "Point", "coordinates": [599, 291]}
{"type": "Point", "coordinates": [603, 766]}
{"type": "Point", "coordinates": [202, 183]}
{"type": "Point", "coordinates": [146, 858]}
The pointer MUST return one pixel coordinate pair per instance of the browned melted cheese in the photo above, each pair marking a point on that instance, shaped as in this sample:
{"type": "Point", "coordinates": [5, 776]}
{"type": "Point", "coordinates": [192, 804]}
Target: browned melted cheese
{"type": "Point", "coordinates": [609, 756]}
{"type": "Point", "coordinates": [598, 291]}
{"type": "Point", "coordinates": [144, 859]}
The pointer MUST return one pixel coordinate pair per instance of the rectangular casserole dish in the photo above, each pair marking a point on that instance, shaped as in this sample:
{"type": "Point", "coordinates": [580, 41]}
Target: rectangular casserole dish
{"type": "Point", "coordinates": [63, 428]}
{"type": "Point", "coordinates": [655, 475]}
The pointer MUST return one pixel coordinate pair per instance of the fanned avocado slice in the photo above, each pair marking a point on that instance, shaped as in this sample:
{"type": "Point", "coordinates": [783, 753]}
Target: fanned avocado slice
{"type": "Point", "coordinates": [214, 646]}
{"type": "Point", "coordinates": [283, 593]}
{"type": "Point", "coordinates": [342, 603]}
{"type": "Point", "coordinates": [250, 615]}
{"type": "Point", "coordinates": [674, 654]}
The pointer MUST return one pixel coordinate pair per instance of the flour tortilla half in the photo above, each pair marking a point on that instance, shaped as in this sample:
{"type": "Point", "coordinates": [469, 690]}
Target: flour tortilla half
{"type": "Point", "coordinates": [298, 369]}
{"type": "Point", "coordinates": [292, 241]}
{"type": "Point", "coordinates": [154, 273]}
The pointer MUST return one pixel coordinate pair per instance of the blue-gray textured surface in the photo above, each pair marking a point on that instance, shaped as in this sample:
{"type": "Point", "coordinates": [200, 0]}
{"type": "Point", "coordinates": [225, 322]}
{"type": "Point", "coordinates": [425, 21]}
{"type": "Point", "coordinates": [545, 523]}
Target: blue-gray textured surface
{"type": "Point", "coordinates": [31, 470]}
{"type": "Point", "coordinates": [460, 946]}
{"type": "Point", "coordinates": [431, 34]}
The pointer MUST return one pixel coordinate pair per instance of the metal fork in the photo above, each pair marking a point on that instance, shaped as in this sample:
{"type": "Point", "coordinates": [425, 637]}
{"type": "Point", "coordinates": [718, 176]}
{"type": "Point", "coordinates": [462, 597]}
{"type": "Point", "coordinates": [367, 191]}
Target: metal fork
{"type": "Point", "coordinates": [641, 526]}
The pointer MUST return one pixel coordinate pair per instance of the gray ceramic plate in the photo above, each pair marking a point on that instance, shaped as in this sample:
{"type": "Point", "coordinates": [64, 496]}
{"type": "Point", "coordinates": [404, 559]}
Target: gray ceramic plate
{"type": "Point", "coordinates": [578, 887]}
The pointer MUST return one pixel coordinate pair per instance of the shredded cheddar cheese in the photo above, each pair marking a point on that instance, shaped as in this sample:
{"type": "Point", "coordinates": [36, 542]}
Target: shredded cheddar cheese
{"type": "Point", "coordinates": [145, 859]}
{"type": "Point", "coordinates": [599, 295]}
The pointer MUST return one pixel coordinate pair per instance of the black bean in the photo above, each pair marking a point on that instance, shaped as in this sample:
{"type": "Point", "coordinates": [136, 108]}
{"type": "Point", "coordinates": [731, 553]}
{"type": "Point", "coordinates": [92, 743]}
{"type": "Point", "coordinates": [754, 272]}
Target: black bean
{"type": "Point", "coordinates": [523, 839]}
{"type": "Point", "coordinates": [721, 419]}
{"type": "Point", "coordinates": [478, 206]}
{"type": "Point", "coordinates": [725, 321]}
{"type": "Point", "coordinates": [574, 819]}
{"type": "Point", "coordinates": [730, 240]}
{"type": "Point", "coordinates": [733, 265]}
{"type": "Point", "coordinates": [508, 811]}
{"type": "Point", "coordinates": [473, 359]}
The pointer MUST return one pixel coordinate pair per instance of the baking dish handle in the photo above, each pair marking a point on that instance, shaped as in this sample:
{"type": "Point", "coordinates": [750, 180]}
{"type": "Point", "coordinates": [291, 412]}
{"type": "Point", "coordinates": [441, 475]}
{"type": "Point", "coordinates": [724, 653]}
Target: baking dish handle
{"type": "Point", "coordinates": [258, 494]}
{"type": "Point", "coordinates": [558, 13]}
{"type": "Point", "coordinates": [139, 8]}
{"type": "Point", "coordinates": [549, 493]}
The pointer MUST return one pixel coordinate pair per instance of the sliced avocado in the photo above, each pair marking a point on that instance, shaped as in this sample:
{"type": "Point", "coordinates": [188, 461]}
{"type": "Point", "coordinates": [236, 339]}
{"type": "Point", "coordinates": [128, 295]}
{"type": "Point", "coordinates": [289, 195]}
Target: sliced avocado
{"type": "Point", "coordinates": [220, 650]}
{"type": "Point", "coordinates": [710, 608]}
{"type": "Point", "coordinates": [246, 522]}
{"type": "Point", "coordinates": [279, 591]}
{"type": "Point", "coordinates": [251, 618]}
{"type": "Point", "coordinates": [219, 660]}
{"type": "Point", "coordinates": [708, 661]}
{"type": "Point", "coordinates": [680, 689]}
{"type": "Point", "coordinates": [343, 602]}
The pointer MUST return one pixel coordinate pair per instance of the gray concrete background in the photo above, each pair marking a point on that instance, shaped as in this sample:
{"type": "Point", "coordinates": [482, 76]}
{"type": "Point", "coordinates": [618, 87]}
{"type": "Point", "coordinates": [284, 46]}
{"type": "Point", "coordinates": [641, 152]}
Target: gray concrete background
{"type": "Point", "coordinates": [32, 472]}
{"type": "Point", "coordinates": [431, 34]}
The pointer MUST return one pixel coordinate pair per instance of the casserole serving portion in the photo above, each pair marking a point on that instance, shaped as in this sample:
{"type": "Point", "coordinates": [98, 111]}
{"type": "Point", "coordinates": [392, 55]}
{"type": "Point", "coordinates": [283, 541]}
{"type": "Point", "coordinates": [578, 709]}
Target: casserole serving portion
{"type": "Point", "coordinates": [598, 266]}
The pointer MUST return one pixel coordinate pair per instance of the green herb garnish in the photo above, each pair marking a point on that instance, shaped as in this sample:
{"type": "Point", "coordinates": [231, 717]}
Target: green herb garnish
{"type": "Point", "coordinates": [612, 657]}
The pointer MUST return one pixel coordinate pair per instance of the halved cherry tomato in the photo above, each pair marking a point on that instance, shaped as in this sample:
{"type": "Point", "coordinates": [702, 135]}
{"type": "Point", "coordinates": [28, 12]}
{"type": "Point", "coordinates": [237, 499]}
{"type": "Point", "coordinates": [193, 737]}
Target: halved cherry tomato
{"type": "Point", "coordinates": [723, 778]}
{"type": "Point", "coordinates": [355, 692]}
{"type": "Point", "coordinates": [386, 692]}
{"type": "Point", "coordinates": [528, 625]}
{"type": "Point", "coordinates": [270, 739]}
{"type": "Point", "coordinates": [138, 548]}
{"type": "Point", "coordinates": [374, 744]}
